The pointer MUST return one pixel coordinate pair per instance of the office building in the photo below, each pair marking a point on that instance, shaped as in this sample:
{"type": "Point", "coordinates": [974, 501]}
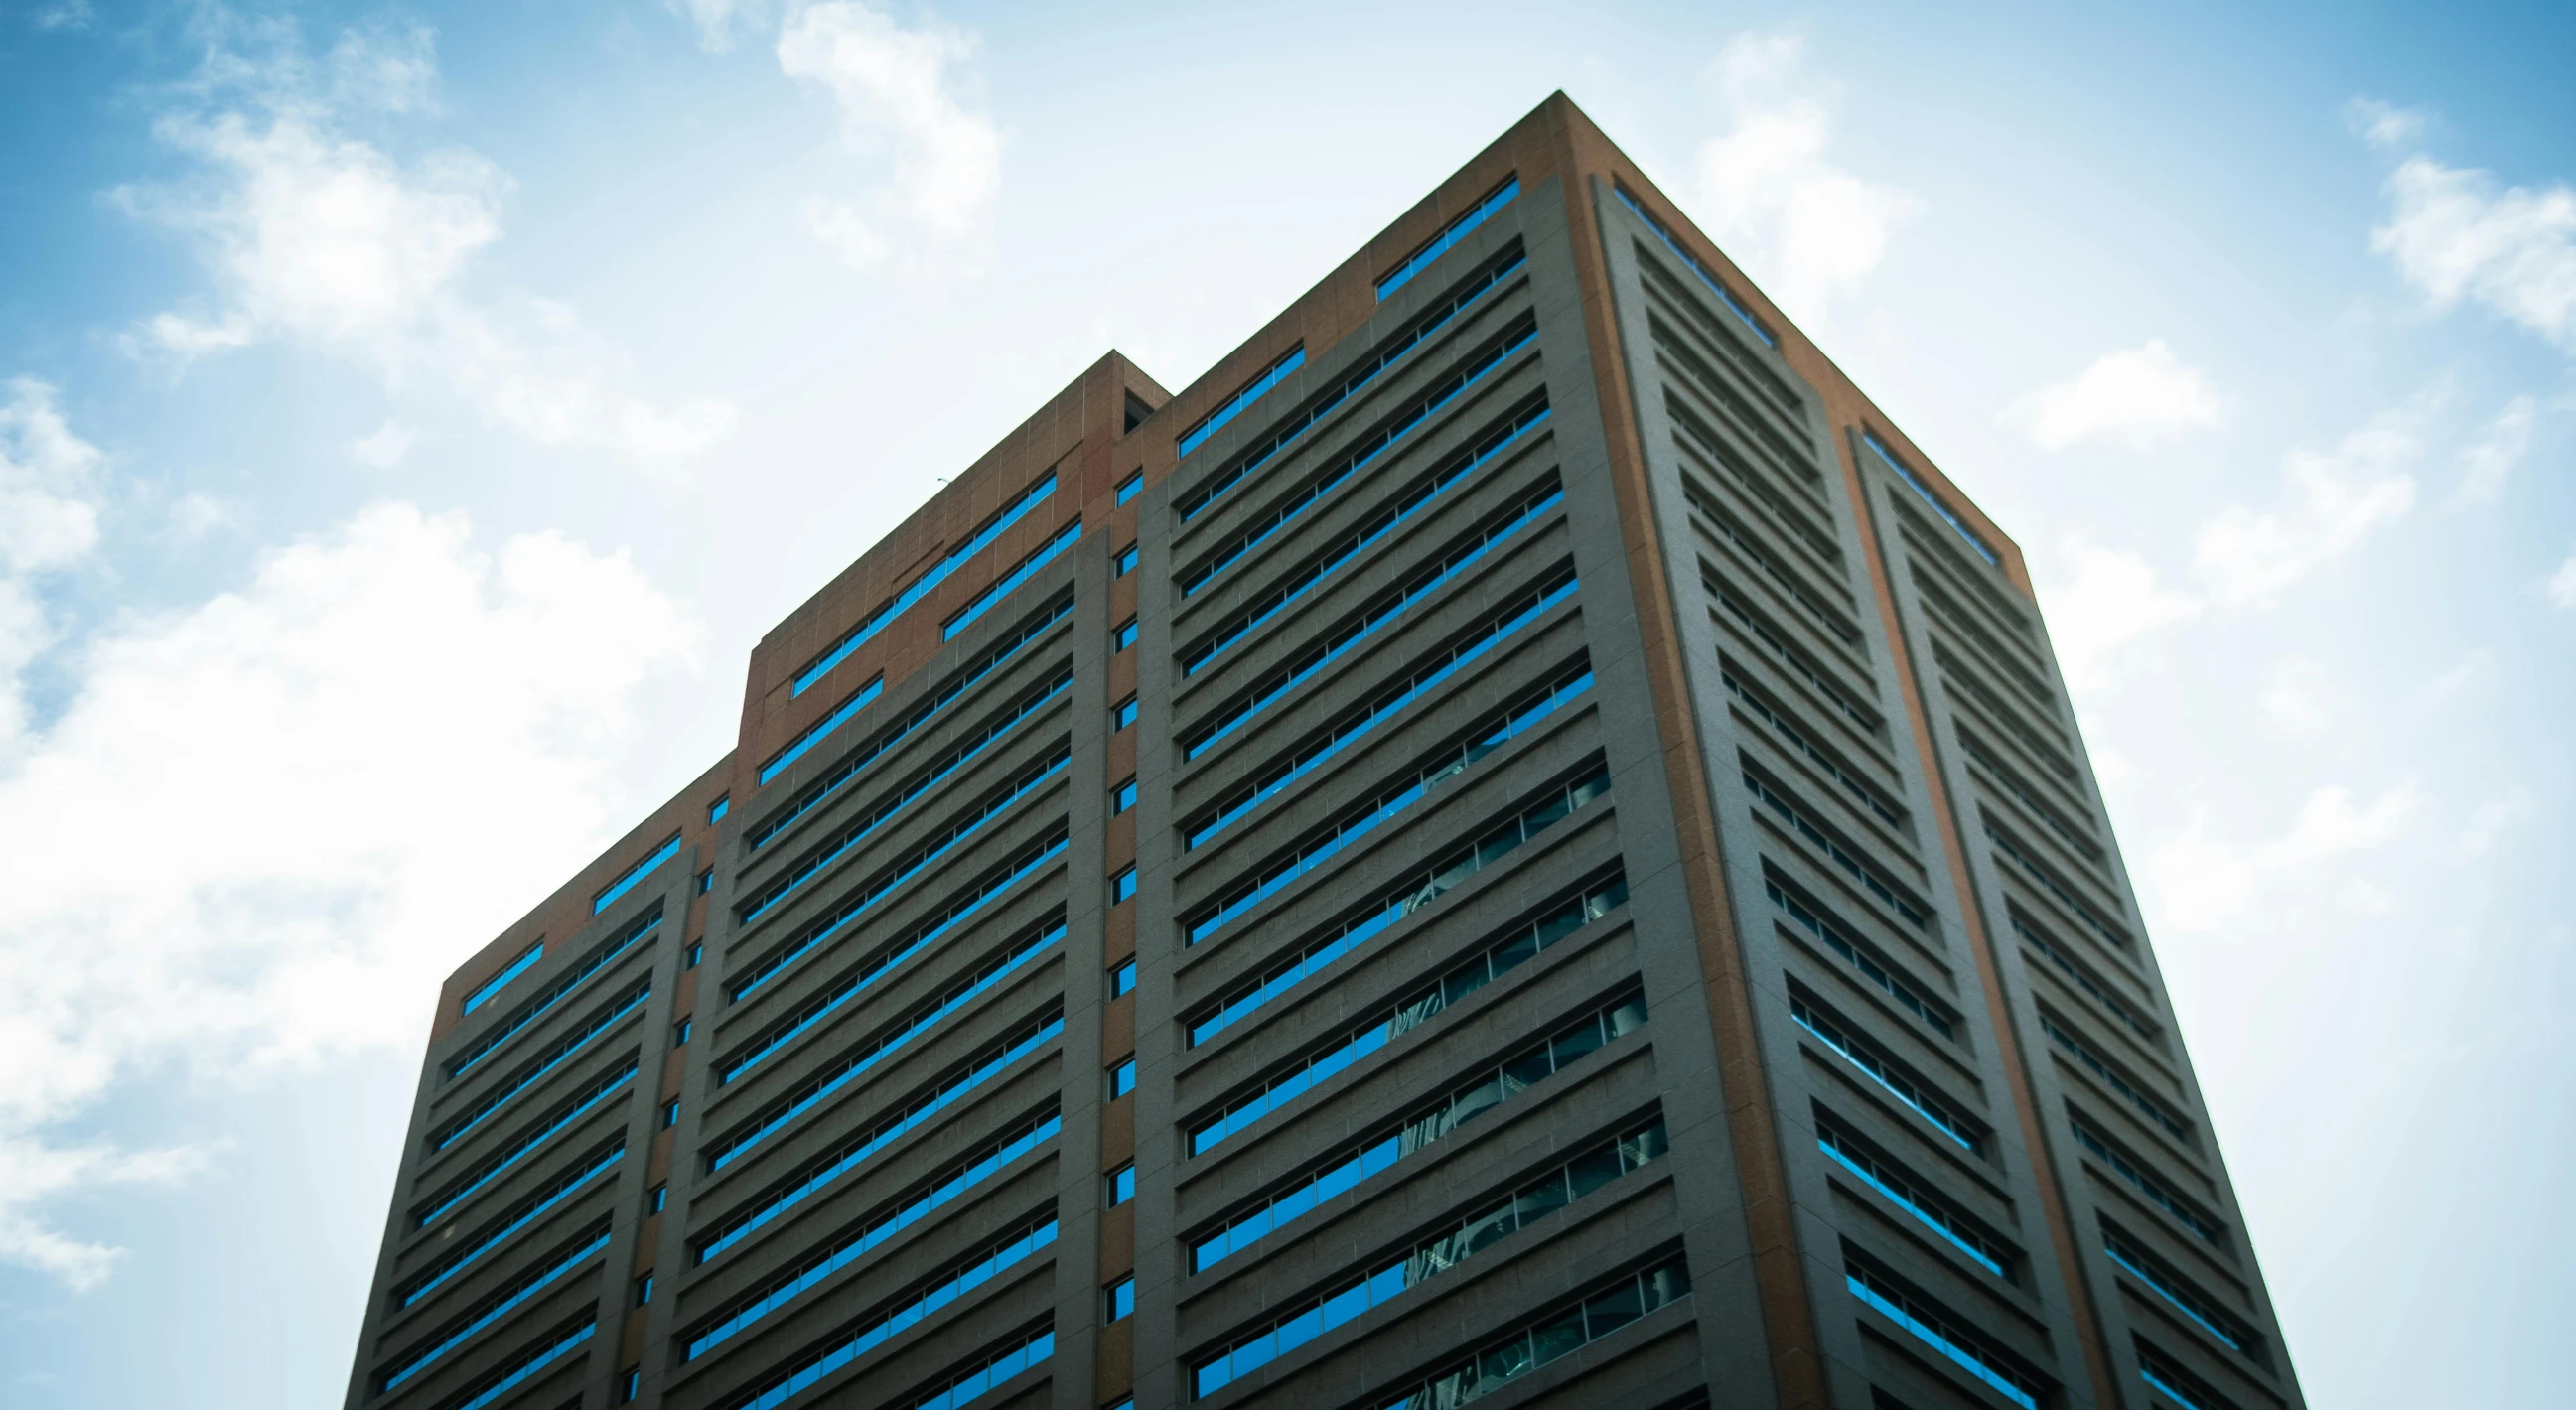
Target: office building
{"type": "Point", "coordinates": [1517, 842]}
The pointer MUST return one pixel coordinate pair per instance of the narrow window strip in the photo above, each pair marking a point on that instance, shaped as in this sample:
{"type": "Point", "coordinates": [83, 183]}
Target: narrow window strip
{"type": "Point", "coordinates": [1011, 581]}
{"type": "Point", "coordinates": [893, 607]}
{"type": "Point", "coordinates": [1932, 1332]}
{"type": "Point", "coordinates": [483, 993]}
{"type": "Point", "coordinates": [634, 874]}
{"type": "Point", "coordinates": [1725, 295]}
{"type": "Point", "coordinates": [992, 884]}
{"type": "Point", "coordinates": [535, 1208]}
{"type": "Point", "coordinates": [1409, 1269]}
{"type": "Point", "coordinates": [1467, 291]}
{"type": "Point", "coordinates": [1376, 443]}
{"type": "Point", "coordinates": [1235, 405]}
{"type": "Point", "coordinates": [850, 835]}
{"type": "Point", "coordinates": [1450, 234]}
{"type": "Point", "coordinates": [849, 1157]}
{"type": "Point", "coordinates": [1948, 515]}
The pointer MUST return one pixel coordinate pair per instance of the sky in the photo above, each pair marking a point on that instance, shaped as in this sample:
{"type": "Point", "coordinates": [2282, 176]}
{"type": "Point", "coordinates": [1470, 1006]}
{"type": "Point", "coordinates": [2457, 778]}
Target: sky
{"type": "Point", "coordinates": [410, 417]}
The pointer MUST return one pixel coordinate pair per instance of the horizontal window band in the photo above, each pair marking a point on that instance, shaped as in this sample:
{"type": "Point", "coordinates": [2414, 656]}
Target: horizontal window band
{"type": "Point", "coordinates": [1725, 295]}
{"type": "Point", "coordinates": [815, 1176]}
{"type": "Point", "coordinates": [1304, 857]}
{"type": "Point", "coordinates": [1009, 795]}
{"type": "Point", "coordinates": [483, 992]}
{"type": "Point", "coordinates": [528, 1366]}
{"type": "Point", "coordinates": [564, 1187]}
{"type": "Point", "coordinates": [859, 1062]}
{"type": "Point", "coordinates": [1523, 940]}
{"type": "Point", "coordinates": [553, 1122]}
{"type": "Point", "coordinates": [1448, 237]}
{"type": "Point", "coordinates": [957, 756]}
{"type": "Point", "coordinates": [1932, 1109]}
{"type": "Point", "coordinates": [1495, 353]}
{"type": "Point", "coordinates": [1313, 410]}
{"type": "Point", "coordinates": [564, 1051]}
{"type": "Point", "coordinates": [945, 1189]}
{"type": "Point", "coordinates": [1031, 627]}
{"type": "Point", "coordinates": [518, 1292]}
{"type": "Point", "coordinates": [993, 882]}
{"type": "Point", "coordinates": [1011, 581]}
{"type": "Point", "coordinates": [1315, 570]}
{"type": "Point", "coordinates": [669, 849]}
{"type": "Point", "coordinates": [1464, 1102]}
{"type": "Point", "coordinates": [1955, 1347]}
{"type": "Point", "coordinates": [1235, 405]}
{"type": "Point", "coordinates": [1381, 705]}
{"type": "Point", "coordinates": [877, 621]}
{"type": "Point", "coordinates": [1495, 1366]}
{"type": "Point", "coordinates": [1401, 1273]}
{"type": "Point", "coordinates": [815, 733]}
{"type": "Point", "coordinates": [816, 1010]}
{"type": "Point", "coordinates": [1899, 1191]}
{"type": "Point", "coordinates": [536, 1005]}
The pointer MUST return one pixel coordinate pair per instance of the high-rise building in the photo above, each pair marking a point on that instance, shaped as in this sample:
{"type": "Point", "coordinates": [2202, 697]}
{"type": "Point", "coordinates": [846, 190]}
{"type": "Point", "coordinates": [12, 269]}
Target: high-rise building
{"type": "Point", "coordinates": [1515, 842]}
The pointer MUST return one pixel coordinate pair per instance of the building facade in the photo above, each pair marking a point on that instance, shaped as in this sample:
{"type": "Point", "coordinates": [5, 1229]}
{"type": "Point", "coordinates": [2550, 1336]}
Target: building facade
{"type": "Point", "coordinates": [1515, 843]}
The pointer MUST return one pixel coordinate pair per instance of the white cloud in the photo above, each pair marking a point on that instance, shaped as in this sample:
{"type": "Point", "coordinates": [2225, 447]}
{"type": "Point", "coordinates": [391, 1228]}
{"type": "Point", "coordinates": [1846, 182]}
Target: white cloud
{"type": "Point", "coordinates": [386, 446]}
{"type": "Point", "coordinates": [2205, 884]}
{"type": "Point", "coordinates": [2562, 584]}
{"type": "Point", "coordinates": [2454, 236]}
{"type": "Point", "coordinates": [2329, 503]}
{"type": "Point", "coordinates": [322, 240]}
{"type": "Point", "coordinates": [2138, 395]}
{"type": "Point", "coordinates": [715, 20]}
{"type": "Point", "coordinates": [2382, 124]}
{"type": "Point", "coordinates": [2488, 461]}
{"type": "Point", "coordinates": [1810, 231]}
{"type": "Point", "coordinates": [323, 790]}
{"type": "Point", "coordinates": [901, 97]}
{"type": "Point", "coordinates": [47, 519]}
{"type": "Point", "coordinates": [2110, 600]}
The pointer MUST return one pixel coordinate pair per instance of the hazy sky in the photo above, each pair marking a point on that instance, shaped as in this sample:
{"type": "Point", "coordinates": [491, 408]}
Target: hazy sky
{"type": "Point", "coordinates": [409, 417]}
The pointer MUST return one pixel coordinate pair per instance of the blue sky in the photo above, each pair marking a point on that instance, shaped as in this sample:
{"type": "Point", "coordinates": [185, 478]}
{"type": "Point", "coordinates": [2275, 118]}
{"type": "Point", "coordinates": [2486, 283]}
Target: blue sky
{"type": "Point", "coordinates": [410, 416]}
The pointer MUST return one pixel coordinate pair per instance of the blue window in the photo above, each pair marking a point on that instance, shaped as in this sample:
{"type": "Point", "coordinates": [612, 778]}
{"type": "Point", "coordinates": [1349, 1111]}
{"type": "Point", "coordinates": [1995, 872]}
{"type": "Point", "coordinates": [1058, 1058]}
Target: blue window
{"type": "Point", "coordinates": [671, 1113]}
{"type": "Point", "coordinates": [706, 881]}
{"type": "Point", "coordinates": [632, 1386]}
{"type": "Point", "coordinates": [1123, 635]}
{"type": "Point", "coordinates": [1118, 1300]}
{"type": "Point", "coordinates": [920, 587]}
{"type": "Point", "coordinates": [634, 874]}
{"type": "Point", "coordinates": [680, 1033]}
{"type": "Point", "coordinates": [1122, 1184]}
{"type": "Point", "coordinates": [1122, 714]}
{"type": "Point", "coordinates": [483, 994]}
{"type": "Point", "coordinates": [1122, 980]}
{"type": "Point", "coordinates": [661, 1196]}
{"type": "Point", "coordinates": [1969, 1356]}
{"type": "Point", "coordinates": [1233, 406]}
{"type": "Point", "coordinates": [1125, 561]}
{"type": "Point", "coordinates": [812, 734]}
{"type": "Point", "coordinates": [1449, 235]}
{"type": "Point", "coordinates": [1122, 798]}
{"type": "Point", "coordinates": [697, 952]}
{"type": "Point", "coordinates": [1122, 1079]}
{"type": "Point", "coordinates": [1122, 885]}
{"type": "Point", "coordinates": [1725, 295]}
{"type": "Point", "coordinates": [1888, 457]}
{"type": "Point", "coordinates": [1130, 487]}
{"type": "Point", "coordinates": [717, 809]}
{"type": "Point", "coordinates": [1009, 582]}
{"type": "Point", "coordinates": [644, 1290]}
